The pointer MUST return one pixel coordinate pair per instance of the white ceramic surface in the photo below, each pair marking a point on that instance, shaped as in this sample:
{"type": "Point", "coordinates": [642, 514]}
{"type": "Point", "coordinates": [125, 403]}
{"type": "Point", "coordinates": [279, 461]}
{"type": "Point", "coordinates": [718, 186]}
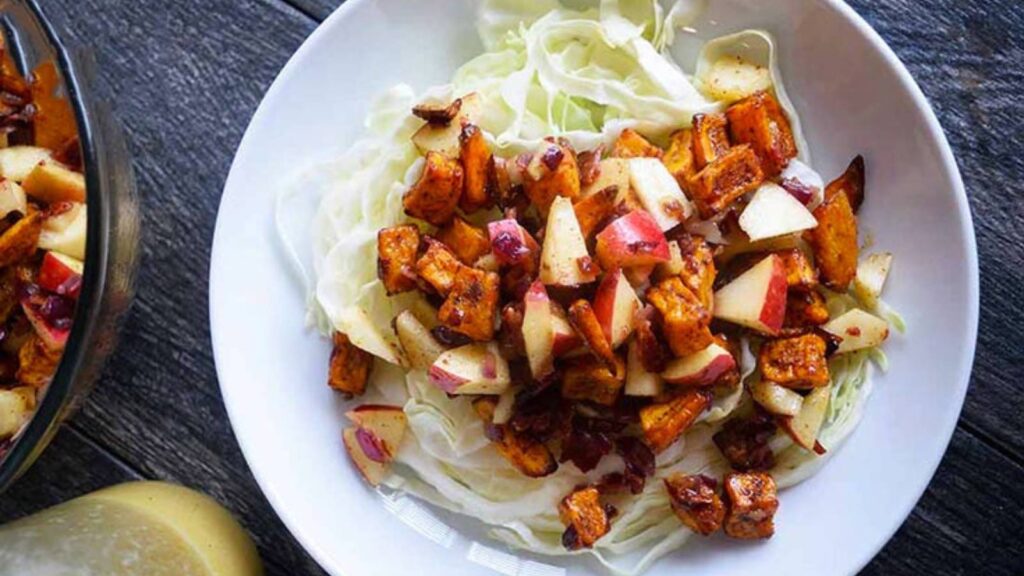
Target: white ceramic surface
{"type": "Point", "coordinates": [853, 95]}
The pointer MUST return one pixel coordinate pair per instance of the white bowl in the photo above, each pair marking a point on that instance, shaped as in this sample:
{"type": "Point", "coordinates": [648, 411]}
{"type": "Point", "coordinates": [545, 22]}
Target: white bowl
{"type": "Point", "coordinates": [854, 96]}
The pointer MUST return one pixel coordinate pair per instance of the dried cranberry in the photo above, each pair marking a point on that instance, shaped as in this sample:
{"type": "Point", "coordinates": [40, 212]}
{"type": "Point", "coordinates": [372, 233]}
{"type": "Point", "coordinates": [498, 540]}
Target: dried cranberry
{"type": "Point", "coordinates": [449, 337]}
{"type": "Point", "coordinates": [552, 157]}
{"type": "Point", "coordinates": [639, 462]}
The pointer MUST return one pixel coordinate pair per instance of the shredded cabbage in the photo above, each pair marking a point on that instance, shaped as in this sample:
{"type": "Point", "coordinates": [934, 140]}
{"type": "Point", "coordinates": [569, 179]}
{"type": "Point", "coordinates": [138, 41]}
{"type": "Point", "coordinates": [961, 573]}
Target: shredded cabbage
{"type": "Point", "coordinates": [549, 70]}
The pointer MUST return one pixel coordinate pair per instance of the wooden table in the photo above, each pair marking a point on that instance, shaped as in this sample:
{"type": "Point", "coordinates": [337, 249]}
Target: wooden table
{"type": "Point", "coordinates": [186, 76]}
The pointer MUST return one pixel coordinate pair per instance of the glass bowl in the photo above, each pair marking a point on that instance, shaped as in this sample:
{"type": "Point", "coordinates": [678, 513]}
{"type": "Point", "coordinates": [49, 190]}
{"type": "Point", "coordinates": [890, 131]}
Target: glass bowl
{"type": "Point", "coordinates": [111, 237]}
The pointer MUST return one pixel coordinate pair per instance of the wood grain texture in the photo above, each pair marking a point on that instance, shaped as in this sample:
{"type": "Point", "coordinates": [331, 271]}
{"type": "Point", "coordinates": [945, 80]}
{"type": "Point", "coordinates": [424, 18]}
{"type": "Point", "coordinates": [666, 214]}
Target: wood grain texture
{"type": "Point", "coordinates": [187, 75]}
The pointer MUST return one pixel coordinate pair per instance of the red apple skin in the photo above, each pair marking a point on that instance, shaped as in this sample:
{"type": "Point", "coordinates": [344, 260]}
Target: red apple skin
{"type": "Point", "coordinates": [632, 240]}
{"type": "Point", "coordinates": [510, 244]}
{"type": "Point", "coordinates": [372, 446]}
{"type": "Point", "coordinates": [604, 303]}
{"type": "Point", "coordinates": [774, 310]}
{"type": "Point", "coordinates": [57, 277]}
{"type": "Point", "coordinates": [53, 338]}
{"type": "Point", "coordinates": [446, 381]}
{"type": "Point", "coordinates": [709, 374]}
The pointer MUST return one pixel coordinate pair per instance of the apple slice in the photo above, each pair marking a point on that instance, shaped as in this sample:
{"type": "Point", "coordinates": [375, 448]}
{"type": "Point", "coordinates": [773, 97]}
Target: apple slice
{"type": "Point", "coordinates": [805, 426]}
{"type": "Point", "coordinates": [659, 192]}
{"type": "Point", "coordinates": [52, 182]}
{"type": "Point", "coordinates": [511, 244]}
{"type": "Point", "coordinates": [757, 298]}
{"type": "Point", "coordinates": [871, 275]}
{"type": "Point", "coordinates": [611, 172]}
{"type": "Point", "coordinates": [365, 334]}
{"type": "Point", "coordinates": [471, 369]}
{"type": "Point", "coordinates": [505, 407]}
{"type": "Point", "coordinates": [372, 471]}
{"type": "Point", "coordinates": [445, 138]}
{"type": "Point", "coordinates": [674, 266]}
{"type": "Point", "coordinates": [632, 240]}
{"type": "Point", "coordinates": [776, 399]}
{"type": "Point", "coordinates": [774, 212]}
{"type": "Point", "coordinates": [380, 430]}
{"type": "Point", "coordinates": [858, 330]}
{"type": "Point", "coordinates": [16, 406]}
{"type": "Point", "coordinates": [12, 198]}
{"type": "Point", "coordinates": [566, 338]}
{"type": "Point", "coordinates": [564, 259]}
{"type": "Point", "coordinates": [60, 274]}
{"type": "Point", "coordinates": [65, 231]}
{"type": "Point", "coordinates": [616, 305]}
{"type": "Point", "coordinates": [640, 382]}
{"type": "Point", "coordinates": [17, 162]}
{"type": "Point", "coordinates": [538, 330]}
{"type": "Point", "coordinates": [420, 347]}
{"type": "Point", "coordinates": [702, 368]}
{"type": "Point", "coordinates": [53, 337]}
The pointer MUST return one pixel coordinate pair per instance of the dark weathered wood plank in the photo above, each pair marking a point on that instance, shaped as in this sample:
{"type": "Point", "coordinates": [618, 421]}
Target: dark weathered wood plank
{"type": "Point", "coordinates": [317, 9]}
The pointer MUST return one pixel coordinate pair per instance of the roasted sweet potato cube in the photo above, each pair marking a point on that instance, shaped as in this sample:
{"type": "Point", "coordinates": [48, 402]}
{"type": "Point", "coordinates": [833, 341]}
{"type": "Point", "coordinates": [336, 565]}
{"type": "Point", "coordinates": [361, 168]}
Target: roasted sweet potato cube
{"type": "Point", "coordinates": [744, 442]}
{"type": "Point", "coordinates": [584, 516]}
{"type": "Point", "coordinates": [851, 183]}
{"type": "Point", "coordinates": [630, 144]}
{"type": "Point", "coordinates": [350, 366]}
{"type": "Point", "coordinates": [795, 362]}
{"type": "Point", "coordinates": [476, 160]}
{"type": "Point", "coordinates": [679, 157]}
{"type": "Point", "coordinates": [710, 138]}
{"type": "Point", "coordinates": [685, 321]}
{"type": "Point", "coordinates": [664, 422]}
{"type": "Point", "coordinates": [759, 121]}
{"type": "Point", "coordinates": [396, 257]}
{"type": "Point", "coordinates": [695, 502]}
{"type": "Point", "coordinates": [529, 456]}
{"type": "Point", "coordinates": [730, 176]}
{"type": "Point", "coordinates": [552, 172]}
{"type": "Point", "coordinates": [595, 209]}
{"type": "Point", "coordinates": [805, 308]}
{"type": "Point", "coordinates": [8, 294]}
{"type": "Point", "coordinates": [800, 273]}
{"type": "Point", "coordinates": [472, 304]}
{"type": "Point", "coordinates": [37, 362]}
{"type": "Point", "coordinates": [466, 241]}
{"type": "Point", "coordinates": [834, 241]}
{"type": "Point", "coordinates": [653, 354]}
{"type": "Point", "coordinates": [751, 501]}
{"type": "Point", "coordinates": [698, 268]}
{"type": "Point", "coordinates": [21, 240]}
{"type": "Point", "coordinates": [434, 197]}
{"type": "Point", "coordinates": [584, 320]}
{"type": "Point", "coordinates": [438, 266]}
{"type": "Point", "coordinates": [587, 378]}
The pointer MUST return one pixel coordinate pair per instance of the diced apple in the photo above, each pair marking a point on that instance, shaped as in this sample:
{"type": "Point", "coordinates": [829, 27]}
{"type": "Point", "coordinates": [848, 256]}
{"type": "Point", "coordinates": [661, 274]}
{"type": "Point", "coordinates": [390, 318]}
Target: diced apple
{"type": "Point", "coordinates": [859, 330]}
{"type": "Point", "coordinates": [871, 275]}
{"type": "Point", "coordinates": [805, 426]}
{"type": "Point", "coordinates": [564, 259]}
{"type": "Point", "coordinates": [702, 368]}
{"type": "Point", "coordinates": [12, 198]}
{"type": "Point", "coordinates": [612, 172]}
{"type": "Point", "coordinates": [566, 338]}
{"type": "Point", "coordinates": [366, 335]}
{"type": "Point", "coordinates": [776, 399]}
{"type": "Point", "coordinates": [757, 298]}
{"type": "Point", "coordinates": [53, 337]}
{"type": "Point", "coordinates": [659, 192]}
{"type": "Point", "coordinates": [475, 368]}
{"type": "Point", "coordinates": [639, 276]}
{"type": "Point", "coordinates": [372, 471]}
{"type": "Point", "coordinates": [616, 305]}
{"type": "Point", "coordinates": [511, 244]}
{"type": "Point", "coordinates": [52, 182]}
{"type": "Point", "coordinates": [674, 266]}
{"type": "Point", "coordinates": [774, 212]}
{"type": "Point", "coordinates": [17, 162]}
{"type": "Point", "coordinates": [640, 382]}
{"type": "Point", "coordinates": [731, 78]}
{"type": "Point", "coordinates": [16, 406]}
{"type": "Point", "coordinates": [505, 407]}
{"type": "Point", "coordinates": [65, 232]}
{"type": "Point", "coordinates": [538, 330]}
{"type": "Point", "coordinates": [381, 429]}
{"type": "Point", "coordinates": [60, 274]}
{"type": "Point", "coordinates": [632, 240]}
{"type": "Point", "coordinates": [420, 347]}
{"type": "Point", "coordinates": [445, 138]}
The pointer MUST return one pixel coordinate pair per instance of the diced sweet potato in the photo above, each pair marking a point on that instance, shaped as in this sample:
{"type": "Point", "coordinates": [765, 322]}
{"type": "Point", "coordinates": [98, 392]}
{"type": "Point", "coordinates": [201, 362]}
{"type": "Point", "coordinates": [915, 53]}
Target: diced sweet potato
{"type": "Point", "coordinates": [730, 176]}
{"type": "Point", "coordinates": [710, 138]}
{"type": "Point", "coordinates": [744, 442]}
{"type": "Point", "coordinates": [472, 304]}
{"type": "Point", "coordinates": [800, 273]}
{"type": "Point", "coordinates": [630, 144]}
{"type": "Point", "coordinates": [653, 354]}
{"type": "Point", "coordinates": [752, 500]}
{"type": "Point", "coordinates": [664, 422]}
{"type": "Point", "coordinates": [350, 366]}
{"type": "Point", "coordinates": [587, 378]}
{"type": "Point", "coordinates": [835, 242]}
{"type": "Point", "coordinates": [679, 157]}
{"type": "Point", "coordinates": [529, 456]}
{"type": "Point", "coordinates": [396, 258]}
{"type": "Point", "coordinates": [438, 267]}
{"type": "Point", "coordinates": [556, 175]}
{"type": "Point", "coordinates": [685, 321]}
{"type": "Point", "coordinates": [476, 159]}
{"type": "Point", "coordinates": [21, 240]}
{"type": "Point", "coordinates": [698, 271]}
{"type": "Point", "coordinates": [466, 241]}
{"type": "Point", "coordinates": [584, 320]}
{"type": "Point", "coordinates": [795, 362]}
{"type": "Point", "coordinates": [434, 197]}
{"type": "Point", "coordinates": [584, 517]}
{"type": "Point", "coordinates": [851, 183]}
{"type": "Point", "coordinates": [8, 294]}
{"type": "Point", "coordinates": [37, 362]}
{"type": "Point", "coordinates": [595, 209]}
{"type": "Point", "coordinates": [805, 308]}
{"type": "Point", "coordinates": [759, 121]}
{"type": "Point", "coordinates": [695, 502]}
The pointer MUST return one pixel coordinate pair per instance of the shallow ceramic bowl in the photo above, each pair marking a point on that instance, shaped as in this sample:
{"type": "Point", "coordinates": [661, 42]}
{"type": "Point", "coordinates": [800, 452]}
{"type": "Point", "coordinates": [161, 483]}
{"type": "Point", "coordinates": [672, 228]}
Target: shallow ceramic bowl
{"type": "Point", "coordinates": [853, 95]}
